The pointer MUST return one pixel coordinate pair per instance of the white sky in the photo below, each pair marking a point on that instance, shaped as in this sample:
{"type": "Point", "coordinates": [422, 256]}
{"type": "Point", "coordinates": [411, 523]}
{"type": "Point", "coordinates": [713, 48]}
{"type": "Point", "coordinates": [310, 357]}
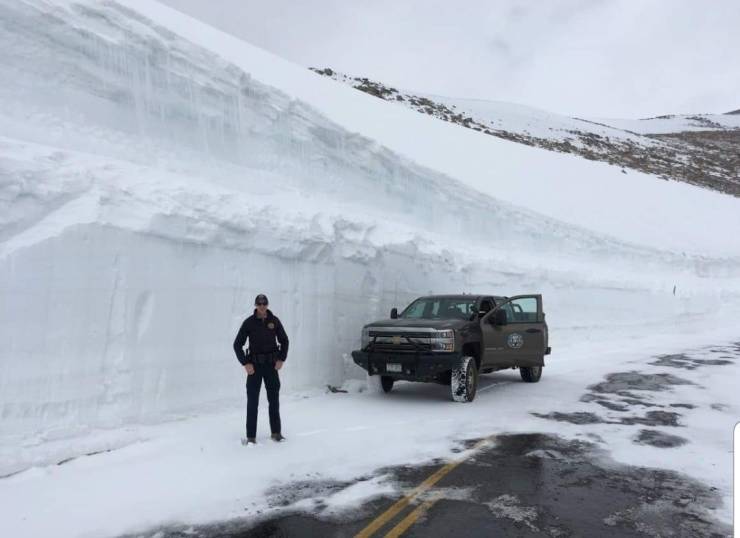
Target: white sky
{"type": "Point", "coordinates": [598, 58]}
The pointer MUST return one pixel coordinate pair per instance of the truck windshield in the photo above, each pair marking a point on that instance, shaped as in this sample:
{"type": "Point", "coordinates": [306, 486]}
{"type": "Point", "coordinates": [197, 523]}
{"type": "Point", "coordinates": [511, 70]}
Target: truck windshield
{"type": "Point", "coordinates": [439, 308]}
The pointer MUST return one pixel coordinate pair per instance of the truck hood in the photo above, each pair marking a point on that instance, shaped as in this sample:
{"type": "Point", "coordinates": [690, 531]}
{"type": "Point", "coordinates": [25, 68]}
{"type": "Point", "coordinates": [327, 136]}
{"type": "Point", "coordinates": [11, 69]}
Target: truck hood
{"type": "Point", "coordinates": [440, 324]}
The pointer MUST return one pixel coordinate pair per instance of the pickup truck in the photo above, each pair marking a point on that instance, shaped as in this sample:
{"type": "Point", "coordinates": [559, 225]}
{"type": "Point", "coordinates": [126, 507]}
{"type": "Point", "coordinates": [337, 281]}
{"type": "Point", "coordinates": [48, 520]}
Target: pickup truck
{"type": "Point", "coordinates": [450, 339]}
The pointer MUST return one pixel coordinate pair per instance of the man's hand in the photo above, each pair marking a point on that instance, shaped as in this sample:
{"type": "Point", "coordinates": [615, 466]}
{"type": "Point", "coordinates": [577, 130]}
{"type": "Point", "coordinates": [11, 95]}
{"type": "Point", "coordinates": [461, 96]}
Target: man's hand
{"type": "Point", "coordinates": [278, 364]}
{"type": "Point", "coordinates": [249, 367]}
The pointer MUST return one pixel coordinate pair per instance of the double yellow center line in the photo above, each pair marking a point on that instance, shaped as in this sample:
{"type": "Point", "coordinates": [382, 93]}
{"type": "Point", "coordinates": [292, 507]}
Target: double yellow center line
{"type": "Point", "coordinates": [405, 501]}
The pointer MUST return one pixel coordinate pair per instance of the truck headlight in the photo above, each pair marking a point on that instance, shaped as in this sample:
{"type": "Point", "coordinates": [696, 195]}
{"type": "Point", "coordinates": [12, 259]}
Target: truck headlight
{"type": "Point", "coordinates": [365, 338]}
{"type": "Point", "coordinates": [443, 341]}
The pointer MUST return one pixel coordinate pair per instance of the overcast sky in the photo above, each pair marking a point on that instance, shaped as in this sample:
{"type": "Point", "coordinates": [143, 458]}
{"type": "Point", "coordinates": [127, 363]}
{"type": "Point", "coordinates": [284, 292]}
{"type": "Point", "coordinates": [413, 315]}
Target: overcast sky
{"type": "Point", "coordinates": [596, 58]}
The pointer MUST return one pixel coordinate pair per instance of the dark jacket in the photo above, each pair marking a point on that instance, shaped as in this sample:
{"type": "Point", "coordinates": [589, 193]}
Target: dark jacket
{"type": "Point", "coordinates": [261, 334]}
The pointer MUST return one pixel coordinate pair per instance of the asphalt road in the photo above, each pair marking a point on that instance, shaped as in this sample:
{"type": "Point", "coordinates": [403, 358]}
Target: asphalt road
{"type": "Point", "coordinates": [523, 485]}
{"type": "Point", "coordinates": [527, 484]}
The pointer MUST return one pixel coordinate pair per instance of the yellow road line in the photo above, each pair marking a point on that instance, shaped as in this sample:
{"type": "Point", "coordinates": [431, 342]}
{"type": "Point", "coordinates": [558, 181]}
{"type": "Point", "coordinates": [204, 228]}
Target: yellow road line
{"type": "Point", "coordinates": [402, 503]}
{"type": "Point", "coordinates": [410, 519]}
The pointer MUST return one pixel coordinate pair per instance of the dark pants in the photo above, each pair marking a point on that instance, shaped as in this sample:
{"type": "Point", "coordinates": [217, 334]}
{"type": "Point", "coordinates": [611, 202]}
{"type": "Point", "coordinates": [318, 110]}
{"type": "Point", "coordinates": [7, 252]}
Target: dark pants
{"type": "Point", "coordinates": [267, 372]}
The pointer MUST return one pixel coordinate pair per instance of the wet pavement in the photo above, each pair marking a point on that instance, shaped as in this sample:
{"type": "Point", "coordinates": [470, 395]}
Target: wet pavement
{"type": "Point", "coordinates": [525, 485]}
{"type": "Point", "coordinates": [529, 484]}
{"type": "Point", "coordinates": [627, 392]}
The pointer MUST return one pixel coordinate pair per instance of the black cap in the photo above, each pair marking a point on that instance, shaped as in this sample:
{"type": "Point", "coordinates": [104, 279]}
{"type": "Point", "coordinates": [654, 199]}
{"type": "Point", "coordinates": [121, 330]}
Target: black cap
{"type": "Point", "coordinates": [261, 298]}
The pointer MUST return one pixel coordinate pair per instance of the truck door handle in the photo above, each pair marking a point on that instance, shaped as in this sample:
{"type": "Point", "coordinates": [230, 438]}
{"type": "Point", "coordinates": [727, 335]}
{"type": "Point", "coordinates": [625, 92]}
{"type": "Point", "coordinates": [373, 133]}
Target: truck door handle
{"type": "Point", "coordinates": [533, 331]}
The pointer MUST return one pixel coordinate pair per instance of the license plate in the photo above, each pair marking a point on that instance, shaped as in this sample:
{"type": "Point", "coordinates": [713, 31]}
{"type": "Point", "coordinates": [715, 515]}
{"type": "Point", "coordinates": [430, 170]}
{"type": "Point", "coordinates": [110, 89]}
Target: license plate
{"type": "Point", "coordinates": [393, 367]}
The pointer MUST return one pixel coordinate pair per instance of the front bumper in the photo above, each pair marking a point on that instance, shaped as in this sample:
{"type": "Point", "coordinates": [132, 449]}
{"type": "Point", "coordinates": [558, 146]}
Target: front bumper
{"type": "Point", "coordinates": [414, 366]}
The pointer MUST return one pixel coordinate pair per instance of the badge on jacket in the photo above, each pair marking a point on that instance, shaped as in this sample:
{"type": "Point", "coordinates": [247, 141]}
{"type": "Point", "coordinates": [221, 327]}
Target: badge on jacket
{"type": "Point", "coordinates": [271, 325]}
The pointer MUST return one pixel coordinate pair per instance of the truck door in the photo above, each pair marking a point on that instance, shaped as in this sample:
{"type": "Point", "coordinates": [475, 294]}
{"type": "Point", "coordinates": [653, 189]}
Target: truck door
{"type": "Point", "coordinates": [519, 342]}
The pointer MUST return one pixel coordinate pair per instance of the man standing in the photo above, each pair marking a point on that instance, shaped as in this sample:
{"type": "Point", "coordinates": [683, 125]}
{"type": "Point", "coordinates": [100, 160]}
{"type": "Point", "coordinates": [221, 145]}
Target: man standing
{"type": "Point", "coordinates": [262, 361]}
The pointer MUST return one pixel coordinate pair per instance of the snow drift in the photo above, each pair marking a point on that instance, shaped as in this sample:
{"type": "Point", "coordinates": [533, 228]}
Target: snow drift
{"type": "Point", "coordinates": [156, 174]}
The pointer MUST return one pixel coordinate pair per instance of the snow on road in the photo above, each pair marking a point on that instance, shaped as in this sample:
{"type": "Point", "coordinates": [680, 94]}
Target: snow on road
{"type": "Point", "coordinates": [195, 471]}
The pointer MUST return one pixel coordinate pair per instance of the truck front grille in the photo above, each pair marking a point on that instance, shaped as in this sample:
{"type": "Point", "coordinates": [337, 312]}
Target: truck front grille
{"type": "Point", "coordinates": [403, 335]}
{"type": "Point", "coordinates": [404, 340]}
{"type": "Point", "coordinates": [401, 348]}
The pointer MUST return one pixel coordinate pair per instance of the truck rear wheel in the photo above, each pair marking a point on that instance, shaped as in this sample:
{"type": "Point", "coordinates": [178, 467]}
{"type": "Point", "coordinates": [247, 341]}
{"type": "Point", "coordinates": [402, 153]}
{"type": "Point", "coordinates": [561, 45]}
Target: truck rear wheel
{"type": "Point", "coordinates": [464, 380]}
{"type": "Point", "coordinates": [531, 374]}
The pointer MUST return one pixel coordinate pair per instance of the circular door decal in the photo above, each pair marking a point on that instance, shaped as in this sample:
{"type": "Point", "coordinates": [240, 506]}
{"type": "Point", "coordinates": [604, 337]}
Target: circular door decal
{"type": "Point", "coordinates": [515, 340]}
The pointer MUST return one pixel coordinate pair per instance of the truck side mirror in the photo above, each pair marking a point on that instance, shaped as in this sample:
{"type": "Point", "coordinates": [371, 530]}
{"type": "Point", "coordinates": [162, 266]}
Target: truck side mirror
{"type": "Point", "coordinates": [499, 317]}
{"type": "Point", "coordinates": [394, 313]}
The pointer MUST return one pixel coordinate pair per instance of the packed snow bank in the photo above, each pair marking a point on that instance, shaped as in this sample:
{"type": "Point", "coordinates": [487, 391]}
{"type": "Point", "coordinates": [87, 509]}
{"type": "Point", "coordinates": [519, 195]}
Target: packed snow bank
{"type": "Point", "coordinates": [123, 286]}
{"type": "Point", "coordinates": [154, 74]}
{"type": "Point", "coordinates": [634, 207]}
{"type": "Point", "coordinates": [156, 174]}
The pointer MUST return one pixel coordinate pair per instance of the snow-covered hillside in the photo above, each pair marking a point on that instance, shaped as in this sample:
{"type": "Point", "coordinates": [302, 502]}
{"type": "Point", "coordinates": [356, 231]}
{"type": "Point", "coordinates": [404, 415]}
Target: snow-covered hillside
{"type": "Point", "coordinates": [156, 174]}
{"type": "Point", "coordinates": [699, 149]}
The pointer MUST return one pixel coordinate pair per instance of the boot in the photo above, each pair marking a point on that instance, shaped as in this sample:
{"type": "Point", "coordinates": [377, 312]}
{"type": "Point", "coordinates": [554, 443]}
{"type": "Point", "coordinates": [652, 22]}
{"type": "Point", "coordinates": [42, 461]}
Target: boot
{"type": "Point", "coordinates": [249, 441]}
{"type": "Point", "coordinates": [278, 437]}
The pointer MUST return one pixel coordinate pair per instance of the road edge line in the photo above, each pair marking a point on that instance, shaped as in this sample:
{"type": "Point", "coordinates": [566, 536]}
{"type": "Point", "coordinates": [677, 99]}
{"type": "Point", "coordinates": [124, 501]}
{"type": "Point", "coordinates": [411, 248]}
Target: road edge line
{"type": "Point", "coordinates": [402, 503]}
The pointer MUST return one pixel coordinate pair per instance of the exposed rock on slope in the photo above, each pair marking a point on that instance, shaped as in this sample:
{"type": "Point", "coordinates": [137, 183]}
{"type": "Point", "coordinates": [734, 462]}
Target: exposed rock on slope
{"type": "Point", "coordinates": [700, 149]}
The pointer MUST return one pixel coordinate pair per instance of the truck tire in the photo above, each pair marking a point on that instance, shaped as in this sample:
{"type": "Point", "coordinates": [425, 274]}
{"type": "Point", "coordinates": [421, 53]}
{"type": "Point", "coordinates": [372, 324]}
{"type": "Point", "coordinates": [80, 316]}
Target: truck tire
{"type": "Point", "coordinates": [386, 382]}
{"type": "Point", "coordinates": [464, 380]}
{"type": "Point", "coordinates": [531, 374]}
{"type": "Point", "coordinates": [379, 384]}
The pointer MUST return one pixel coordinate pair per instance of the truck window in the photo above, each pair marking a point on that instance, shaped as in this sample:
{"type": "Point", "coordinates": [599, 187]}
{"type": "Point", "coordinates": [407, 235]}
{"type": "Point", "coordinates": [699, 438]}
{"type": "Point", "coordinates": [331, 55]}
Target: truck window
{"type": "Point", "coordinates": [414, 310]}
{"type": "Point", "coordinates": [509, 312]}
{"type": "Point", "coordinates": [439, 308]}
{"type": "Point", "coordinates": [523, 310]}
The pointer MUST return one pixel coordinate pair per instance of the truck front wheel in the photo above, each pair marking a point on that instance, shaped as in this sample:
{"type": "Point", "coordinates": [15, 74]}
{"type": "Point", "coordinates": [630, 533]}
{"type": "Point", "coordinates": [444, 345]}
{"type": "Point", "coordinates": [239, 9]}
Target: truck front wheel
{"type": "Point", "coordinates": [531, 374]}
{"type": "Point", "coordinates": [464, 380]}
{"type": "Point", "coordinates": [380, 384]}
{"type": "Point", "coordinates": [386, 382]}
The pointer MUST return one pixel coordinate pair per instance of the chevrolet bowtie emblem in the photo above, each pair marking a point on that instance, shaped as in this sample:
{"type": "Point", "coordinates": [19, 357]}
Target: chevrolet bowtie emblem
{"type": "Point", "coordinates": [396, 340]}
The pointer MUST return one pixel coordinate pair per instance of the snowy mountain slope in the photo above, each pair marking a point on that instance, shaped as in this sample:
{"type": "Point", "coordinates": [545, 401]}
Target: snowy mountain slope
{"type": "Point", "coordinates": [679, 123]}
{"type": "Point", "coordinates": [156, 174]}
{"type": "Point", "coordinates": [506, 171]}
{"type": "Point", "coordinates": [698, 149]}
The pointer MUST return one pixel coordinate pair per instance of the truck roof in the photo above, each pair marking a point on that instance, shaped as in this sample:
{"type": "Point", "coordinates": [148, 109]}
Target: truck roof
{"type": "Point", "coordinates": [475, 297]}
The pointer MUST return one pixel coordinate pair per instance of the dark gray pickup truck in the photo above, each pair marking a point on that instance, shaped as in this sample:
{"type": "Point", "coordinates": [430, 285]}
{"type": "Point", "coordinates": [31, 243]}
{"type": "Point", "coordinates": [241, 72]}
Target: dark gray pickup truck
{"type": "Point", "coordinates": [449, 339]}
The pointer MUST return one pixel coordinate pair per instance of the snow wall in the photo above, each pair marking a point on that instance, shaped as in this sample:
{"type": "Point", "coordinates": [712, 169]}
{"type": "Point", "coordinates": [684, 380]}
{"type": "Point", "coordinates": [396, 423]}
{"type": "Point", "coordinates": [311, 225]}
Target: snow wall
{"type": "Point", "coordinates": [149, 189]}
